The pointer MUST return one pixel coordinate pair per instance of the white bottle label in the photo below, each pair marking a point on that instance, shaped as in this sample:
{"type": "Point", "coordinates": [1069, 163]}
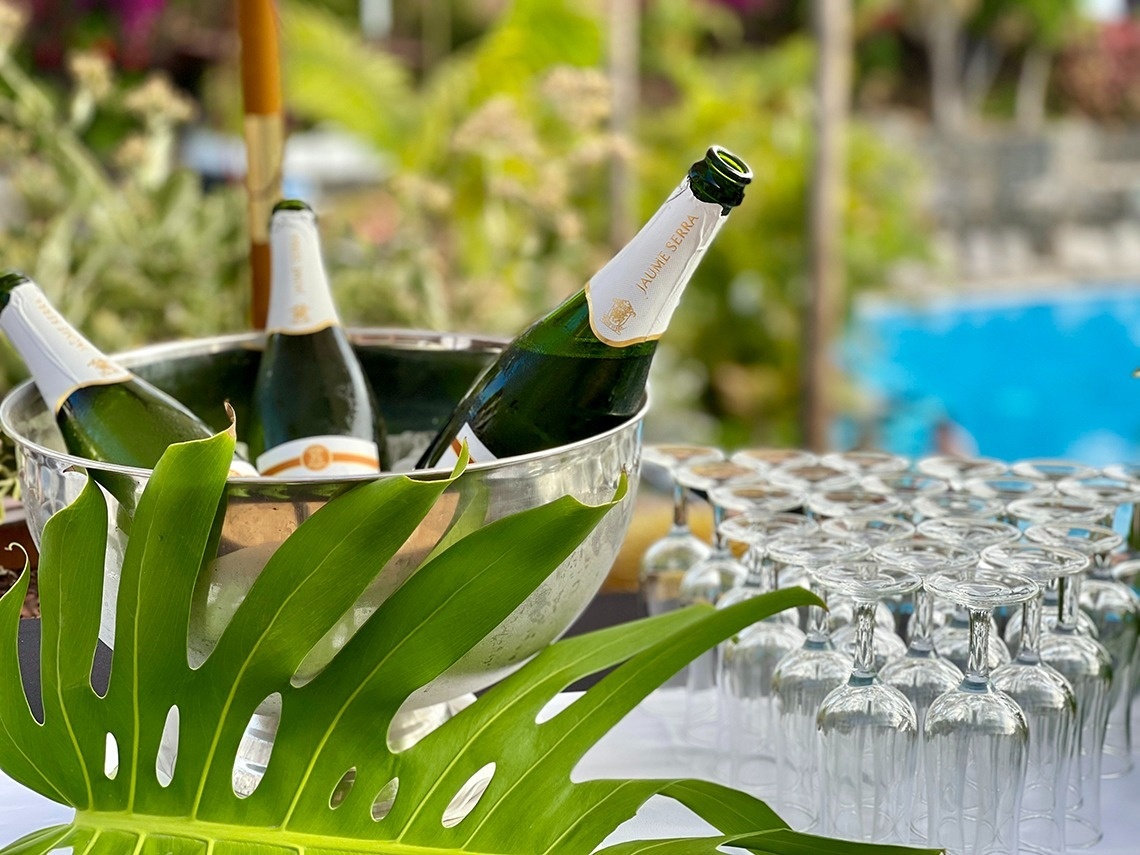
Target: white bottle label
{"type": "Point", "coordinates": [320, 457]}
{"type": "Point", "coordinates": [60, 359]}
{"type": "Point", "coordinates": [299, 298]}
{"type": "Point", "coordinates": [632, 298]}
{"type": "Point", "coordinates": [479, 453]}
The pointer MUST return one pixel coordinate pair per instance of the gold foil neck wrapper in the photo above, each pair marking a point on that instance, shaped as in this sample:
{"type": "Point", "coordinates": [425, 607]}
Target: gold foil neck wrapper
{"type": "Point", "coordinates": [265, 146]}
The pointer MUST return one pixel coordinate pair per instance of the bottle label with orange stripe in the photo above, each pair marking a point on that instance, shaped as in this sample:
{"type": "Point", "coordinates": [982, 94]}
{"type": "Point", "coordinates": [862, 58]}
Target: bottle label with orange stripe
{"type": "Point", "coordinates": [320, 457]}
{"type": "Point", "coordinates": [479, 453]}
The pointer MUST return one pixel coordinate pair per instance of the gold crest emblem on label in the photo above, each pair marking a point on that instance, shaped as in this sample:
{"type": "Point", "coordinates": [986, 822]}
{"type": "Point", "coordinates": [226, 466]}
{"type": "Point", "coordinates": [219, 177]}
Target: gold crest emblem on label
{"type": "Point", "coordinates": [620, 314]}
{"type": "Point", "coordinates": [104, 366]}
{"type": "Point", "coordinates": [316, 457]}
{"type": "Point", "coordinates": [299, 315]}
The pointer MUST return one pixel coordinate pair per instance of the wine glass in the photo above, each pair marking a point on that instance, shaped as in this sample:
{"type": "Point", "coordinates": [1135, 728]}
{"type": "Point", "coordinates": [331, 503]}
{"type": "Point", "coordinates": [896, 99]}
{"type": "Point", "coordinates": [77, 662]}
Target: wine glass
{"type": "Point", "coordinates": [867, 728]}
{"type": "Point", "coordinates": [1048, 469]}
{"type": "Point", "coordinates": [953, 639]}
{"type": "Point", "coordinates": [814, 477]}
{"type": "Point", "coordinates": [748, 659]}
{"type": "Point", "coordinates": [756, 531]}
{"type": "Point", "coordinates": [861, 463]}
{"type": "Point", "coordinates": [1112, 609]}
{"type": "Point", "coordinates": [919, 672]}
{"type": "Point", "coordinates": [705, 582]}
{"type": "Point", "coordinates": [1121, 493]}
{"type": "Point", "coordinates": [907, 486]}
{"type": "Point", "coordinates": [957, 505]}
{"type": "Point", "coordinates": [975, 736]}
{"type": "Point", "coordinates": [870, 530]}
{"type": "Point", "coordinates": [1009, 488]}
{"type": "Point", "coordinates": [802, 680]}
{"type": "Point", "coordinates": [849, 501]}
{"type": "Point", "coordinates": [957, 470]}
{"type": "Point", "coordinates": [1057, 507]}
{"type": "Point", "coordinates": [666, 560]}
{"type": "Point", "coordinates": [1088, 667]}
{"type": "Point", "coordinates": [765, 459]}
{"type": "Point", "coordinates": [1044, 695]}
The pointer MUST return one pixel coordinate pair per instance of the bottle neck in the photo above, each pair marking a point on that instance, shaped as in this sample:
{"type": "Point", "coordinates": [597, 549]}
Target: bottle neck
{"type": "Point", "coordinates": [58, 356]}
{"type": "Point", "coordinates": [300, 300]}
{"type": "Point", "coordinates": [632, 298]}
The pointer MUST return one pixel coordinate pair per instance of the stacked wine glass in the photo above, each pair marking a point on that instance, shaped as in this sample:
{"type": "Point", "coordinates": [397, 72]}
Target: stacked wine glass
{"type": "Point", "coordinates": [970, 681]}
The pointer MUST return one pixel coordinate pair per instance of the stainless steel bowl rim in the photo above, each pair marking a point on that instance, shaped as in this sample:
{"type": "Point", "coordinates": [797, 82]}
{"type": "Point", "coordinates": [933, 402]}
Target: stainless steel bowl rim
{"type": "Point", "coordinates": [174, 349]}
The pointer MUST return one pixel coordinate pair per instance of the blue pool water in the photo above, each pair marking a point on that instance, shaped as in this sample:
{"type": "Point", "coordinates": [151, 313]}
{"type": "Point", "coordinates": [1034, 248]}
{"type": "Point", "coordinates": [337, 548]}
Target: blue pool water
{"type": "Point", "coordinates": [1023, 375]}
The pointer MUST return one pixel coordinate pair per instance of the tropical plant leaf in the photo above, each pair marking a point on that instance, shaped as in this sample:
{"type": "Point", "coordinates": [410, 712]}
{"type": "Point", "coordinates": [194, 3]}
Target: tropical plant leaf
{"type": "Point", "coordinates": [332, 783]}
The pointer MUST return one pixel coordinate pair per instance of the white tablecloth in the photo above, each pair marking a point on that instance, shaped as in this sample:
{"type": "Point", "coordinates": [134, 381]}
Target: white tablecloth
{"type": "Point", "coordinates": [645, 745]}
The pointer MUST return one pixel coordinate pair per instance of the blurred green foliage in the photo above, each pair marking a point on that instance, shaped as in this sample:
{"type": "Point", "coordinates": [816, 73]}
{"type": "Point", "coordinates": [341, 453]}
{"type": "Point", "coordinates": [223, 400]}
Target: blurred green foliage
{"type": "Point", "coordinates": [129, 249]}
{"type": "Point", "coordinates": [497, 205]}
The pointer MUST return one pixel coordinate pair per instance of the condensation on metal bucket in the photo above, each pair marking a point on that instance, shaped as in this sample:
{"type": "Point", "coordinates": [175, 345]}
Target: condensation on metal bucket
{"type": "Point", "coordinates": [424, 374]}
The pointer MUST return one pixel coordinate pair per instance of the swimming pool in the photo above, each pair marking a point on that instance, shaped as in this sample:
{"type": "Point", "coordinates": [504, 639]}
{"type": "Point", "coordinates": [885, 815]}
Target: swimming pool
{"type": "Point", "coordinates": [1045, 374]}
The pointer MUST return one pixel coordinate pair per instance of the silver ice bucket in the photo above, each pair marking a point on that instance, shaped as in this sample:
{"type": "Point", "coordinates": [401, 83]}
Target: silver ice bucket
{"type": "Point", "coordinates": [419, 377]}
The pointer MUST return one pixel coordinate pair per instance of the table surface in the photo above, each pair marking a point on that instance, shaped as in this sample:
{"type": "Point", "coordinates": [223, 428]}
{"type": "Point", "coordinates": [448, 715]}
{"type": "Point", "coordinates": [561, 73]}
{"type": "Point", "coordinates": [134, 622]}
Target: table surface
{"type": "Point", "coordinates": [645, 745]}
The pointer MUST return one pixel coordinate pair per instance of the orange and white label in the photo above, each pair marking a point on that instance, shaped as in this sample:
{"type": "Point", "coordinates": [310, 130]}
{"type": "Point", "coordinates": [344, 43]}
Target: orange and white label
{"type": "Point", "coordinates": [320, 457]}
{"type": "Point", "coordinates": [60, 359]}
{"type": "Point", "coordinates": [478, 452]}
{"type": "Point", "coordinates": [633, 297]}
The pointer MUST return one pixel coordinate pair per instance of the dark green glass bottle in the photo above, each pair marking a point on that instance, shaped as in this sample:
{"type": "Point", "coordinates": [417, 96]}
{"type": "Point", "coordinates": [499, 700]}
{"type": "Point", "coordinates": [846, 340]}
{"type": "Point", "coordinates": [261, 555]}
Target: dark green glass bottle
{"type": "Point", "coordinates": [314, 414]}
{"type": "Point", "coordinates": [105, 412]}
{"type": "Point", "coordinates": [582, 369]}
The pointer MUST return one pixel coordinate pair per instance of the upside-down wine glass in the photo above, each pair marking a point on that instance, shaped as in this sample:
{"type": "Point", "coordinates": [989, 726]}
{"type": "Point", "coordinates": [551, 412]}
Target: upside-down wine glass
{"type": "Point", "coordinates": [1108, 601]}
{"type": "Point", "coordinates": [747, 660]}
{"type": "Point", "coordinates": [1088, 667]}
{"type": "Point", "coordinates": [848, 501]}
{"type": "Point", "coordinates": [1044, 695]}
{"type": "Point", "coordinates": [975, 736]}
{"type": "Point", "coordinates": [919, 672]}
{"type": "Point", "coordinates": [908, 487]}
{"type": "Point", "coordinates": [1112, 610]}
{"type": "Point", "coordinates": [666, 560]}
{"type": "Point", "coordinates": [871, 530]}
{"type": "Point", "coordinates": [867, 462]}
{"type": "Point", "coordinates": [957, 470]}
{"type": "Point", "coordinates": [802, 680]}
{"type": "Point", "coordinates": [764, 460]}
{"type": "Point", "coordinates": [957, 505]}
{"type": "Point", "coordinates": [1008, 488]}
{"type": "Point", "coordinates": [953, 639]}
{"type": "Point", "coordinates": [867, 728]}
{"type": "Point", "coordinates": [1048, 469]}
{"type": "Point", "coordinates": [705, 582]}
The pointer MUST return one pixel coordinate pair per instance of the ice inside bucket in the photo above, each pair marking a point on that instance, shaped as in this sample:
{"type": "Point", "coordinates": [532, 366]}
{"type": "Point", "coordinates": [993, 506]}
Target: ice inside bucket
{"type": "Point", "coordinates": [418, 378]}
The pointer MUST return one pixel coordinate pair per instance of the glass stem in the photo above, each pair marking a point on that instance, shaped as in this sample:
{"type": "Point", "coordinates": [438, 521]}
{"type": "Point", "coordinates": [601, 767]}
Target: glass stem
{"type": "Point", "coordinates": [1069, 600]}
{"type": "Point", "coordinates": [864, 641]}
{"type": "Point", "coordinates": [720, 542]}
{"type": "Point", "coordinates": [978, 661]}
{"type": "Point", "coordinates": [921, 633]}
{"type": "Point", "coordinates": [1133, 528]}
{"type": "Point", "coordinates": [818, 632]}
{"type": "Point", "coordinates": [680, 509]}
{"type": "Point", "coordinates": [1031, 630]}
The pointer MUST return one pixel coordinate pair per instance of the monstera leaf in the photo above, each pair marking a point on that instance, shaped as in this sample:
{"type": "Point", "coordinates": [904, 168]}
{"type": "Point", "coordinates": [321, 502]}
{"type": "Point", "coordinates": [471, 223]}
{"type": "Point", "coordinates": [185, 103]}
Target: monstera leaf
{"type": "Point", "coordinates": [150, 765]}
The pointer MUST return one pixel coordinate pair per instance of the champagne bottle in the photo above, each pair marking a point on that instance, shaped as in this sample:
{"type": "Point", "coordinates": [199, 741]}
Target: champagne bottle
{"type": "Point", "coordinates": [582, 369]}
{"type": "Point", "coordinates": [314, 414]}
{"type": "Point", "coordinates": [105, 412]}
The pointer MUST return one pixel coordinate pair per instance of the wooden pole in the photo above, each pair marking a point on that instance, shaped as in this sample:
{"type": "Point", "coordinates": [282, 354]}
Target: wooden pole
{"type": "Point", "coordinates": [264, 137]}
{"type": "Point", "coordinates": [832, 23]}
{"type": "Point", "coordinates": [624, 29]}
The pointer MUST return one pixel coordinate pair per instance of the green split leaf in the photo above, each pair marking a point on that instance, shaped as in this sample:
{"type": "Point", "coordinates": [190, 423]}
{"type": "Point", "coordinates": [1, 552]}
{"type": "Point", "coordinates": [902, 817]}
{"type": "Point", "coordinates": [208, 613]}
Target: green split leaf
{"type": "Point", "coordinates": [490, 780]}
